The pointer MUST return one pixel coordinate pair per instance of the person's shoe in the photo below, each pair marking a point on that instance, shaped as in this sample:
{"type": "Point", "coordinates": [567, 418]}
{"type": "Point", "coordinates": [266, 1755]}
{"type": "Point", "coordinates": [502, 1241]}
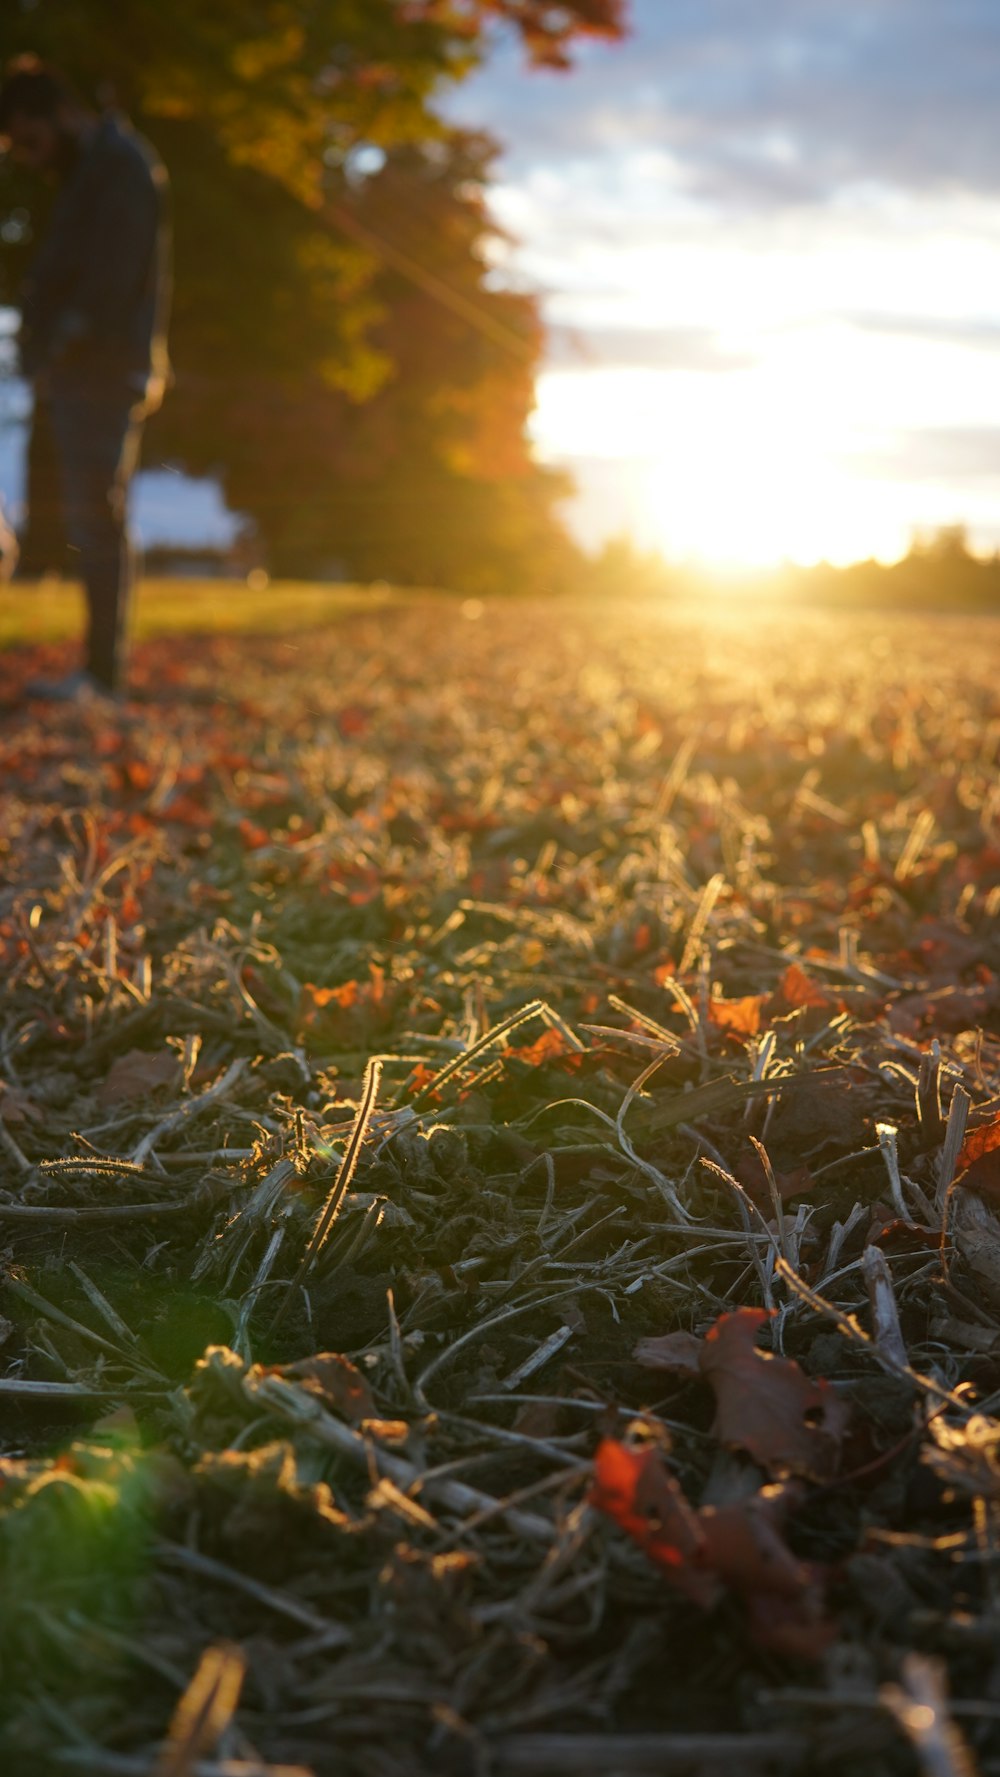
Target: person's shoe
{"type": "Point", "coordinates": [79, 687]}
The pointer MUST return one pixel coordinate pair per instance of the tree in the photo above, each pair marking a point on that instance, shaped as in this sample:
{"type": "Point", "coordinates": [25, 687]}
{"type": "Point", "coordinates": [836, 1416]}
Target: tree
{"type": "Point", "coordinates": [341, 358]}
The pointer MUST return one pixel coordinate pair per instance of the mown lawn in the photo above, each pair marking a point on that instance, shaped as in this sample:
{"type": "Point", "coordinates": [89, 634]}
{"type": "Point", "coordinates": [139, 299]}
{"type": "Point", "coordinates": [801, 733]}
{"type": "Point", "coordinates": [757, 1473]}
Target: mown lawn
{"type": "Point", "coordinates": [500, 1136]}
{"type": "Point", "coordinates": [33, 612]}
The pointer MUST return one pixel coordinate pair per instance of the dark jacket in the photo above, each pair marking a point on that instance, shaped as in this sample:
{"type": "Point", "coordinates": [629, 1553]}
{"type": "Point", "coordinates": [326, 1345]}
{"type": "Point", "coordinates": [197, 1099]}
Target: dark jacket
{"type": "Point", "coordinates": [97, 294]}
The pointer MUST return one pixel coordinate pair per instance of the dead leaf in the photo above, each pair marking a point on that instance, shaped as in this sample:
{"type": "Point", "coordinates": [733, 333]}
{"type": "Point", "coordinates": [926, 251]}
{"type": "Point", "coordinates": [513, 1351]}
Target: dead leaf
{"type": "Point", "coordinates": [797, 990]}
{"type": "Point", "coordinates": [753, 1178]}
{"type": "Point", "coordinates": [741, 1017]}
{"type": "Point", "coordinates": [978, 1161]}
{"type": "Point", "coordinates": [765, 1405]}
{"type": "Point", "coordinates": [17, 1107]}
{"type": "Point", "coordinates": [137, 1074]}
{"type": "Point", "coordinates": [701, 1553]}
{"type": "Point", "coordinates": [337, 1382]}
{"type": "Point", "coordinates": [636, 1489]}
{"type": "Point", "coordinates": [679, 1352]}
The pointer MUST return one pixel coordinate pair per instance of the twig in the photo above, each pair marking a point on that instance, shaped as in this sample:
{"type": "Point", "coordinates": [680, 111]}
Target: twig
{"type": "Point", "coordinates": [191, 1108]}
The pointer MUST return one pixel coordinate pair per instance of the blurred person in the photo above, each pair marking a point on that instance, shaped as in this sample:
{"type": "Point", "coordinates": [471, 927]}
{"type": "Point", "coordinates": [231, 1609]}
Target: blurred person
{"type": "Point", "coordinates": [92, 343]}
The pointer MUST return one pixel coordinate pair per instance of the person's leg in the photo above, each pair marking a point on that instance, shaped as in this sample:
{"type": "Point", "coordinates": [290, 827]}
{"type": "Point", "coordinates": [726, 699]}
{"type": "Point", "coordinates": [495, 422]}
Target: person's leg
{"type": "Point", "coordinates": [43, 536]}
{"type": "Point", "coordinates": [96, 434]}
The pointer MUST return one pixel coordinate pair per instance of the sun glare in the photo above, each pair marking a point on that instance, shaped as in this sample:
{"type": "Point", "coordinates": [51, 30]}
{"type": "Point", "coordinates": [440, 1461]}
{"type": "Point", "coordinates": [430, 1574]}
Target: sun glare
{"type": "Point", "coordinates": [789, 457]}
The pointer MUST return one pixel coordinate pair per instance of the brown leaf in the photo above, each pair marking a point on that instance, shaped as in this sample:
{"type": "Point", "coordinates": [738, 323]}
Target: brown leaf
{"type": "Point", "coordinates": [679, 1352]}
{"type": "Point", "coordinates": [753, 1178]}
{"type": "Point", "coordinates": [336, 1381]}
{"type": "Point", "coordinates": [17, 1107]}
{"type": "Point", "coordinates": [137, 1074]}
{"type": "Point", "coordinates": [767, 1405]}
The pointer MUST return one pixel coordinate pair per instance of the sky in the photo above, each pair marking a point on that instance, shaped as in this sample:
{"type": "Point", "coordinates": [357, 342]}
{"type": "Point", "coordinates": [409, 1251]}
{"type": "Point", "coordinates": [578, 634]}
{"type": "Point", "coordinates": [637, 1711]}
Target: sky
{"type": "Point", "coordinates": [767, 242]}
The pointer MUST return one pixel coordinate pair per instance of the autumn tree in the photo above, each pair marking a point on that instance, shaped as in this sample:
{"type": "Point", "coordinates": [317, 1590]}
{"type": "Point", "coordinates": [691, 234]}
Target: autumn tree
{"type": "Point", "coordinates": [342, 360]}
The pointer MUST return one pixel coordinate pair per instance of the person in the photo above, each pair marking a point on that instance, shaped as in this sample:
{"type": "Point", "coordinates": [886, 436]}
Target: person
{"type": "Point", "coordinates": [92, 342]}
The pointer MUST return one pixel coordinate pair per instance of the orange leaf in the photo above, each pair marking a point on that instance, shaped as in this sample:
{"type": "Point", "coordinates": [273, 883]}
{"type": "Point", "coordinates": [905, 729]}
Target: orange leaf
{"type": "Point", "coordinates": [547, 1047]}
{"type": "Point", "coordinates": [979, 1159]}
{"type": "Point", "coordinates": [741, 1018]}
{"type": "Point", "coordinates": [796, 989]}
{"type": "Point", "coordinates": [739, 1546]}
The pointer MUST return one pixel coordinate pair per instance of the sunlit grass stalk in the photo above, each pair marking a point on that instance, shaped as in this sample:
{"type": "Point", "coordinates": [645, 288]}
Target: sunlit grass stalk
{"type": "Point", "coordinates": [341, 1185]}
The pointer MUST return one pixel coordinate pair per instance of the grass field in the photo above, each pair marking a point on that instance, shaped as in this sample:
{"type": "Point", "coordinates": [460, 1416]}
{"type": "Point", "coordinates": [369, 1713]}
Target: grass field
{"type": "Point", "coordinates": [34, 612]}
{"type": "Point", "coordinates": [500, 1133]}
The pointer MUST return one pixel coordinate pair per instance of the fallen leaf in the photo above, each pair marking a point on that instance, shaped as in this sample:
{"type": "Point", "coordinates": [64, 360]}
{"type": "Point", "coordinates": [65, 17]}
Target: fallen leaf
{"type": "Point", "coordinates": [739, 1018]}
{"type": "Point", "coordinates": [796, 989]}
{"type": "Point", "coordinates": [702, 1553]}
{"type": "Point", "coordinates": [753, 1178]}
{"type": "Point", "coordinates": [137, 1074]}
{"type": "Point", "coordinates": [768, 1405]}
{"type": "Point", "coordinates": [764, 1404]}
{"type": "Point", "coordinates": [978, 1165]}
{"type": "Point", "coordinates": [17, 1107]}
{"type": "Point", "coordinates": [636, 1489]}
{"type": "Point", "coordinates": [679, 1352]}
{"type": "Point", "coordinates": [336, 1381]}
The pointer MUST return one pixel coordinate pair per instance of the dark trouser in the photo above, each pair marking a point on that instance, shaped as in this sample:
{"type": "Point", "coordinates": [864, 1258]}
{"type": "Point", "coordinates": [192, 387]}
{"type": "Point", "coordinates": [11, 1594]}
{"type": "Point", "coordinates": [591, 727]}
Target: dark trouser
{"type": "Point", "coordinates": [96, 425]}
{"type": "Point", "coordinates": [43, 534]}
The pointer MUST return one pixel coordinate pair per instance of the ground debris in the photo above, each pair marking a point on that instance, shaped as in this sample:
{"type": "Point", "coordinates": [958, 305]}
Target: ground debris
{"type": "Point", "coordinates": [409, 1134]}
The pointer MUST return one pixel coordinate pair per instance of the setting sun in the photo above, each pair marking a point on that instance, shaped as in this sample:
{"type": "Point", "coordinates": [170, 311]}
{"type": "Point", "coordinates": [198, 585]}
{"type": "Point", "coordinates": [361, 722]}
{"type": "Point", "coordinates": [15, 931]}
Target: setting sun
{"type": "Point", "coordinates": [793, 453]}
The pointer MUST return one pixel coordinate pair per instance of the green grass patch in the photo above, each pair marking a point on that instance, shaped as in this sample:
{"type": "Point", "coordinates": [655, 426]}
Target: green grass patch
{"type": "Point", "coordinates": [52, 610]}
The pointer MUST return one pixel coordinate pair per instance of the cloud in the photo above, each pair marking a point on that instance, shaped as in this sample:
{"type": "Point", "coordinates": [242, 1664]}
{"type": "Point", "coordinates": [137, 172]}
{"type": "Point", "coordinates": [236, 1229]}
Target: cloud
{"type": "Point", "coordinates": [976, 335]}
{"type": "Point", "coordinates": [964, 455]}
{"type": "Point", "coordinates": [643, 348]}
{"type": "Point", "coordinates": [776, 105]}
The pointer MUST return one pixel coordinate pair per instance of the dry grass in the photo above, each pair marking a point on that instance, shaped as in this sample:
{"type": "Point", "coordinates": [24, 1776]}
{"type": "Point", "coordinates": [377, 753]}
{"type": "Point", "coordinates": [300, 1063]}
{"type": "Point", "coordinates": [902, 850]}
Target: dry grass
{"type": "Point", "coordinates": [414, 991]}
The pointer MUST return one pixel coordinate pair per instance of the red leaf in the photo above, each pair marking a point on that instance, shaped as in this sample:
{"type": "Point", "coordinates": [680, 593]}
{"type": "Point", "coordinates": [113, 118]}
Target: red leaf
{"type": "Point", "coordinates": [635, 1489]}
{"type": "Point", "coordinates": [744, 1544]}
{"type": "Point", "coordinates": [700, 1552]}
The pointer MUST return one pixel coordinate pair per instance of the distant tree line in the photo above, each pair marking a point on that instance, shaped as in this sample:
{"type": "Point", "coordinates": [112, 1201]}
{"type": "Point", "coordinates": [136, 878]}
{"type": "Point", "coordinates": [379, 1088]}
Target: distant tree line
{"type": "Point", "coordinates": [940, 572]}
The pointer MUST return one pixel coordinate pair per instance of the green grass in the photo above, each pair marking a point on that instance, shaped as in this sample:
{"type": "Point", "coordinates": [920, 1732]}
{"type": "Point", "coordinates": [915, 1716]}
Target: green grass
{"type": "Point", "coordinates": [52, 610]}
